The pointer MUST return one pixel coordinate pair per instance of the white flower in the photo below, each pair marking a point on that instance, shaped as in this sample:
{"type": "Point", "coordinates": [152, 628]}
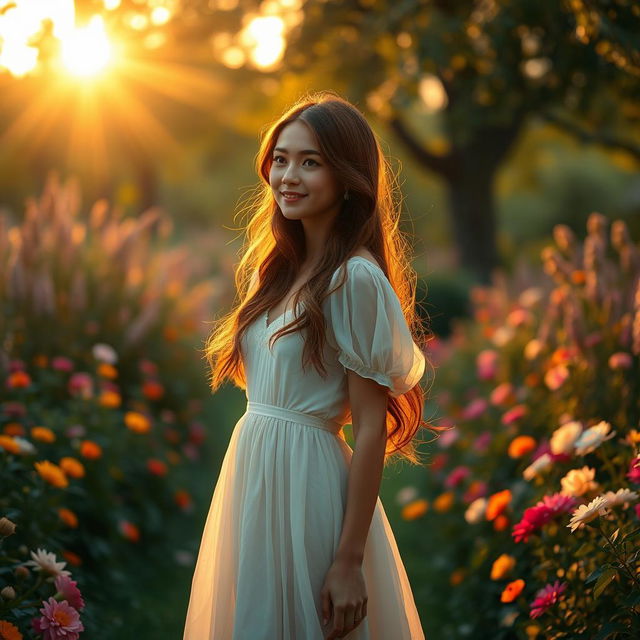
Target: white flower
{"type": "Point", "coordinates": [503, 335]}
{"type": "Point", "coordinates": [587, 512]}
{"type": "Point", "coordinates": [621, 496]}
{"type": "Point", "coordinates": [578, 481]}
{"type": "Point", "coordinates": [45, 562]}
{"type": "Point", "coordinates": [539, 464]}
{"type": "Point", "coordinates": [104, 353]}
{"type": "Point", "coordinates": [593, 438]}
{"type": "Point", "coordinates": [564, 437]}
{"type": "Point", "coordinates": [26, 447]}
{"type": "Point", "coordinates": [530, 297]}
{"type": "Point", "coordinates": [476, 510]}
{"type": "Point", "coordinates": [406, 494]}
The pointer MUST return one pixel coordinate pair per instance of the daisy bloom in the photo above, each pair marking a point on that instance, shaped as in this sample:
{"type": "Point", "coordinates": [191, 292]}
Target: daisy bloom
{"type": "Point", "coordinates": [539, 464]}
{"type": "Point", "coordinates": [577, 482]}
{"type": "Point", "coordinates": [588, 512]}
{"type": "Point", "coordinates": [45, 562]}
{"type": "Point", "coordinates": [620, 497]}
{"type": "Point", "coordinates": [593, 437]}
{"type": "Point", "coordinates": [564, 437]}
{"type": "Point", "coordinates": [546, 597]}
{"type": "Point", "coordinates": [476, 510]}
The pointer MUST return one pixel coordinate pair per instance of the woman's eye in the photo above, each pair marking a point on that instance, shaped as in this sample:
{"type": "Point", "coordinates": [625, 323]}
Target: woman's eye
{"type": "Point", "coordinates": [313, 161]}
{"type": "Point", "coordinates": [277, 159]}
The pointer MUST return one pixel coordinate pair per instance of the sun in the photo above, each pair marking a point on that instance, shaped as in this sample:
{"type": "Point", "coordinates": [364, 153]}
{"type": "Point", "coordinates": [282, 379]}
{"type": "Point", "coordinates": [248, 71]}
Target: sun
{"type": "Point", "coordinates": [86, 51]}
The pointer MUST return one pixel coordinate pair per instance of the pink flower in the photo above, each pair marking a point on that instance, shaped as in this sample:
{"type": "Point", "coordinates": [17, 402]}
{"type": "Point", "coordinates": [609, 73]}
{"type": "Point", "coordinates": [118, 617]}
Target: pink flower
{"type": "Point", "coordinates": [481, 443]}
{"type": "Point", "coordinates": [475, 409]}
{"type": "Point", "coordinates": [515, 413]}
{"type": "Point", "coordinates": [532, 519]}
{"type": "Point", "coordinates": [556, 377]}
{"type": "Point", "coordinates": [14, 409]}
{"type": "Point", "coordinates": [487, 364]}
{"type": "Point", "coordinates": [620, 360]}
{"type": "Point", "coordinates": [477, 489]}
{"type": "Point", "coordinates": [502, 394]}
{"type": "Point", "coordinates": [548, 595]}
{"type": "Point", "coordinates": [81, 384]}
{"type": "Point", "coordinates": [559, 503]}
{"type": "Point", "coordinates": [456, 476]}
{"type": "Point", "coordinates": [68, 589]}
{"type": "Point", "coordinates": [59, 621]}
{"type": "Point", "coordinates": [634, 470]}
{"type": "Point", "coordinates": [60, 363]}
{"type": "Point", "coordinates": [637, 510]}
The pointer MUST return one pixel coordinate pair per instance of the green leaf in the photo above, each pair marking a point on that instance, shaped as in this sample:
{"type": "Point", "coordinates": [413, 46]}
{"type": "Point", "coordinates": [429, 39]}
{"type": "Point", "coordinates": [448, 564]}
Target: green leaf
{"type": "Point", "coordinates": [614, 535]}
{"type": "Point", "coordinates": [632, 600]}
{"type": "Point", "coordinates": [610, 629]}
{"type": "Point", "coordinates": [595, 573]}
{"type": "Point", "coordinates": [605, 578]}
{"type": "Point", "coordinates": [584, 549]}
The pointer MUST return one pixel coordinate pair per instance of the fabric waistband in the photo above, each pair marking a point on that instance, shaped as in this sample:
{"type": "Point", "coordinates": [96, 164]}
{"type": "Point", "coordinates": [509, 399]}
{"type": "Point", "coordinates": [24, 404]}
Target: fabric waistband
{"type": "Point", "coordinates": [273, 411]}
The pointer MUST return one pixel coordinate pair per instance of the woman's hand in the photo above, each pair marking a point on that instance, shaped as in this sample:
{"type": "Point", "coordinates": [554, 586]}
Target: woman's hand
{"type": "Point", "coordinates": [343, 591]}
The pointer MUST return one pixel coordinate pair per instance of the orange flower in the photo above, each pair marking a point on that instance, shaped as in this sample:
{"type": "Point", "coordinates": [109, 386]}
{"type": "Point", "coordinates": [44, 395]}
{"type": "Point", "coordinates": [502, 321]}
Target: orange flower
{"type": "Point", "coordinates": [52, 473]}
{"type": "Point", "coordinates": [90, 450]}
{"type": "Point", "coordinates": [157, 467]}
{"type": "Point", "coordinates": [106, 370]}
{"type": "Point", "coordinates": [72, 467]}
{"type": "Point", "coordinates": [457, 576]}
{"type": "Point", "coordinates": [501, 566]}
{"type": "Point", "coordinates": [18, 380]}
{"type": "Point", "coordinates": [414, 509]}
{"type": "Point", "coordinates": [555, 377]}
{"type": "Point", "coordinates": [8, 443]}
{"type": "Point", "coordinates": [532, 379]}
{"type": "Point", "coordinates": [129, 530]}
{"type": "Point", "coordinates": [520, 446]}
{"type": "Point", "coordinates": [13, 429]}
{"type": "Point", "coordinates": [182, 498]}
{"type": "Point", "coordinates": [443, 502]}
{"type": "Point", "coordinates": [68, 517]}
{"type": "Point", "coordinates": [8, 631]}
{"type": "Point", "coordinates": [512, 590]}
{"type": "Point", "coordinates": [152, 389]}
{"type": "Point", "coordinates": [43, 434]}
{"type": "Point", "coordinates": [109, 399]}
{"type": "Point", "coordinates": [72, 558]}
{"type": "Point", "coordinates": [500, 523]}
{"type": "Point", "coordinates": [137, 422]}
{"type": "Point", "coordinates": [41, 360]}
{"type": "Point", "coordinates": [497, 504]}
{"type": "Point", "coordinates": [578, 276]}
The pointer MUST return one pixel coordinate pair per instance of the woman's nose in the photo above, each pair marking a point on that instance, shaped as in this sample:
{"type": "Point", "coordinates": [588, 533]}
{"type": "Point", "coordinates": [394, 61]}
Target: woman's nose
{"type": "Point", "coordinates": [291, 174]}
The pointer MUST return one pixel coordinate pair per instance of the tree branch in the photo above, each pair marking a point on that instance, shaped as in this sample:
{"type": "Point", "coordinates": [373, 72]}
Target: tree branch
{"type": "Point", "coordinates": [585, 136]}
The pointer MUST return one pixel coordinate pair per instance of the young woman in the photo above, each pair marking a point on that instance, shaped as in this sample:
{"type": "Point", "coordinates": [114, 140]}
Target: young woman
{"type": "Point", "coordinates": [296, 545]}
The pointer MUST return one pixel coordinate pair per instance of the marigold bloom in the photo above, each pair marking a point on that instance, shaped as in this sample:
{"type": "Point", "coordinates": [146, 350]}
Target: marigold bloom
{"type": "Point", "coordinates": [9, 631]}
{"type": "Point", "coordinates": [106, 370]}
{"type": "Point", "coordinates": [500, 523]}
{"type": "Point", "coordinates": [152, 389]}
{"type": "Point", "coordinates": [415, 509]}
{"type": "Point", "coordinates": [497, 503]}
{"type": "Point", "coordinates": [502, 566]}
{"type": "Point", "coordinates": [18, 380]}
{"type": "Point", "coordinates": [512, 590]}
{"type": "Point", "coordinates": [137, 422]}
{"type": "Point", "coordinates": [443, 502]}
{"type": "Point", "coordinates": [520, 446]}
{"type": "Point", "coordinates": [72, 467]}
{"type": "Point", "coordinates": [109, 399]}
{"type": "Point", "coordinates": [13, 429]}
{"type": "Point", "coordinates": [71, 558]}
{"type": "Point", "coordinates": [52, 473]}
{"type": "Point", "coordinates": [68, 517]}
{"type": "Point", "coordinates": [43, 434]}
{"type": "Point", "coordinates": [90, 450]}
{"type": "Point", "coordinates": [8, 443]}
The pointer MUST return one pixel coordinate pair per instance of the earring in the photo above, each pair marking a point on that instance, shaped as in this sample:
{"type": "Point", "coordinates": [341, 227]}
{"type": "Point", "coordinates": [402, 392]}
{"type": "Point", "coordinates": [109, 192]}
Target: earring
{"type": "Point", "coordinates": [346, 194]}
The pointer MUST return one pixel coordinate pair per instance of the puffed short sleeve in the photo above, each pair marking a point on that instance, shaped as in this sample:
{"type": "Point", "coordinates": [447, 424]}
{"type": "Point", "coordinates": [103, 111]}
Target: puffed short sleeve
{"type": "Point", "coordinates": [370, 330]}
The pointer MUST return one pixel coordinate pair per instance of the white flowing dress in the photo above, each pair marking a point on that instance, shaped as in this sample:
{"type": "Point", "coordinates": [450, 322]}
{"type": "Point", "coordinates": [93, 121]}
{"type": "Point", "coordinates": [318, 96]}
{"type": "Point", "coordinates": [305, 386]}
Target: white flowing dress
{"type": "Point", "coordinates": [276, 514]}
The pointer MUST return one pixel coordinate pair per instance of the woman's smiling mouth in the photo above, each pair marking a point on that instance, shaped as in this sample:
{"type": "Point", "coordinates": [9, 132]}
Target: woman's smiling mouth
{"type": "Point", "coordinates": [292, 196]}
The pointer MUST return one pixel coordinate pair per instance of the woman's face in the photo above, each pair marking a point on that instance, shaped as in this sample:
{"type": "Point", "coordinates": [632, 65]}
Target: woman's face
{"type": "Point", "coordinates": [302, 182]}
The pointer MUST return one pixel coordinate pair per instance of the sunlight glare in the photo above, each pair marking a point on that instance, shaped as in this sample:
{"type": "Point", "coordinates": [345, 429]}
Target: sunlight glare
{"type": "Point", "coordinates": [264, 34]}
{"type": "Point", "coordinates": [87, 51]}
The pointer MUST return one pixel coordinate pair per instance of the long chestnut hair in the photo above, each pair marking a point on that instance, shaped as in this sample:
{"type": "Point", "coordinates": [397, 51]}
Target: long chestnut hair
{"type": "Point", "coordinates": [274, 250]}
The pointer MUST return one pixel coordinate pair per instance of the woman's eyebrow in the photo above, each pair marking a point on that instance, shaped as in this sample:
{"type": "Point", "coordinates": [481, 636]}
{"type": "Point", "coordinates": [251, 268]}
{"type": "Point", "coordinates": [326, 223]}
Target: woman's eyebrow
{"type": "Point", "coordinates": [303, 152]}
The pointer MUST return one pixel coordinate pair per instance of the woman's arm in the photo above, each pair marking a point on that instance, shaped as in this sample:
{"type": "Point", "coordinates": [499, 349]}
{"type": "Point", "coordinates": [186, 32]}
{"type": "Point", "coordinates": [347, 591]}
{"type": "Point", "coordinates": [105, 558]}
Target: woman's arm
{"type": "Point", "coordinates": [368, 401]}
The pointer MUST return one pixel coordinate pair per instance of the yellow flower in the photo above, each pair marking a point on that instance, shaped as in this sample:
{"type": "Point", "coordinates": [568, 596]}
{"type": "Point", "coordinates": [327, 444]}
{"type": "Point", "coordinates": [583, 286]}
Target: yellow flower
{"type": "Point", "coordinates": [502, 566]}
{"type": "Point", "coordinates": [52, 473]}
{"type": "Point", "coordinates": [43, 434]}
{"type": "Point", "coordinates": [443, 502]}
{"type": "Point", "coordinates": [577, 482]}
{"type": "Point", "coordinates": [414, 509]}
